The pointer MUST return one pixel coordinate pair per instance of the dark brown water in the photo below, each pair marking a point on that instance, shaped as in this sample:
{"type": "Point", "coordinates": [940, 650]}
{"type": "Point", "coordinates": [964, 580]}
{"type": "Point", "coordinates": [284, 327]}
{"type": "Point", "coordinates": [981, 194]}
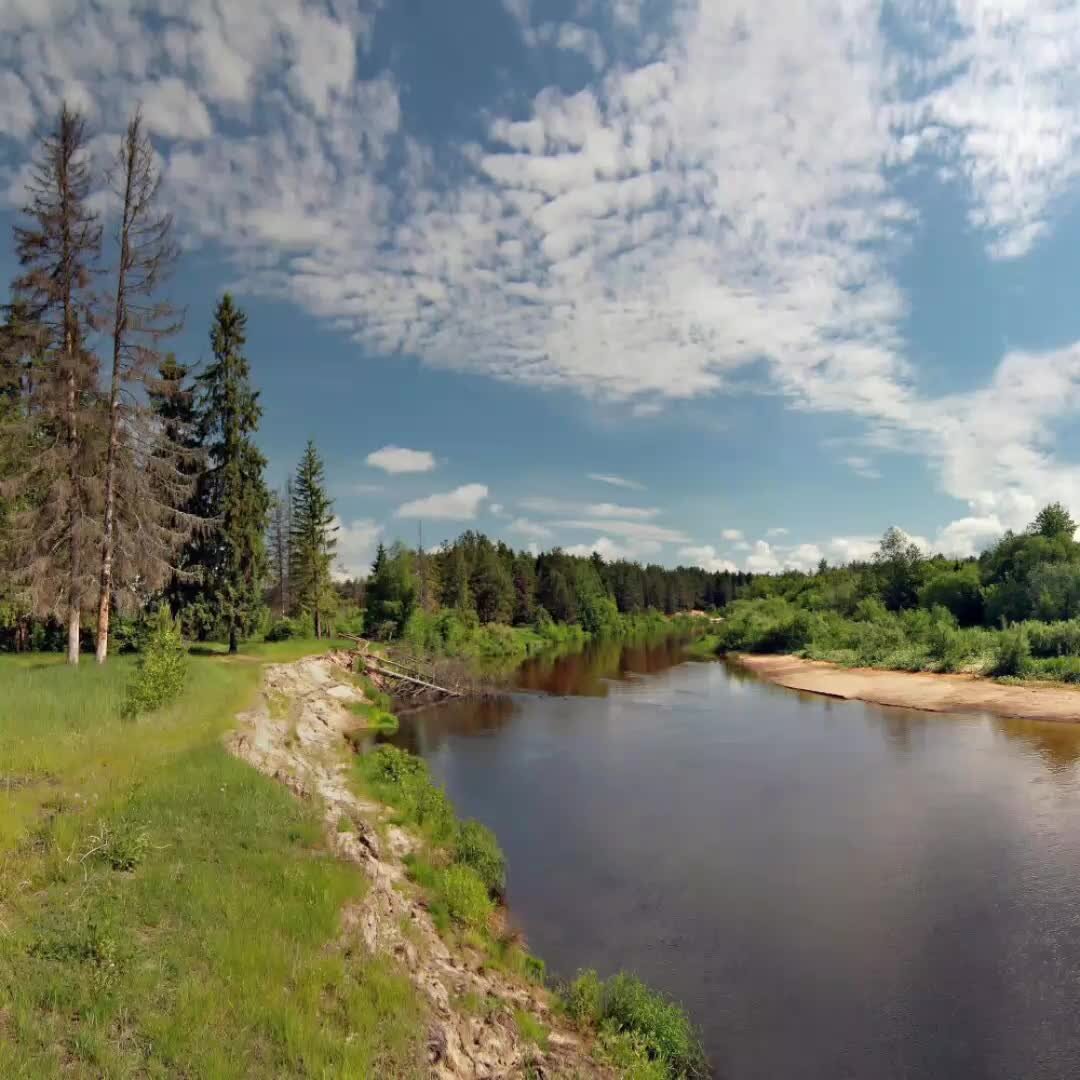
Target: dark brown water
{"type": "Point", "coordinates": [833, 890]}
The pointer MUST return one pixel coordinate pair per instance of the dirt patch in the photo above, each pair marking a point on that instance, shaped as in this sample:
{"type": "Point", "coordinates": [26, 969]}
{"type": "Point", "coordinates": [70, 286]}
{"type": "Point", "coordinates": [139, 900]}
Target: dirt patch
{"type": "Point", "coordinates": [919, 690]}
{"type": "Point", "coordinates": [304, 747]}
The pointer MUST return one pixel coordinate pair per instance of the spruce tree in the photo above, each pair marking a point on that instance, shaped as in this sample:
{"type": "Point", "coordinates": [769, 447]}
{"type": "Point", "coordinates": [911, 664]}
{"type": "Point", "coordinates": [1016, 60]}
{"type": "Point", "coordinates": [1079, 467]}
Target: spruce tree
{"type": "Point", "coordinates": [312, 538]}
{"type": "Point", "coordinates": [231, 559]}
{"type": "Point", "coordinates": [55, 527]}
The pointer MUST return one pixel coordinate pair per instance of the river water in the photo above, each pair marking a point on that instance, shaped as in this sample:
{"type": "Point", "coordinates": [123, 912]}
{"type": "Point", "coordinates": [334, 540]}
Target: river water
{"type": "Point", "coordinates": [832, 889]}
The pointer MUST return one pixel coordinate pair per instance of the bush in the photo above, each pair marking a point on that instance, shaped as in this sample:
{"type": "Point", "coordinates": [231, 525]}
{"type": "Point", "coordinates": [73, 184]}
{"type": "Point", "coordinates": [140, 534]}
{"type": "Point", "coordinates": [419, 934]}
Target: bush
{"type": "Point", "coordinates": [1054, 639]}
{"type": "Point", "coordinates": [583, 999]}
{"type": "Point", "coordinates": [162, 668]}
{"type": "Point", "coordinates": [288, 629]}
{"type": "Point", "coordinates": [465, 895]}
{"type": "Point", "coordinates": [1012, 652]}
{"type": "Point", "coordinates": [477, 848]}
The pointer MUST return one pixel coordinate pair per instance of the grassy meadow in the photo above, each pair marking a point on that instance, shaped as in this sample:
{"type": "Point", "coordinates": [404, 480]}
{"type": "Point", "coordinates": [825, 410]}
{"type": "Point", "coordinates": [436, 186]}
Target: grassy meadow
{"type": "Point", "coordinates": [164, 909]}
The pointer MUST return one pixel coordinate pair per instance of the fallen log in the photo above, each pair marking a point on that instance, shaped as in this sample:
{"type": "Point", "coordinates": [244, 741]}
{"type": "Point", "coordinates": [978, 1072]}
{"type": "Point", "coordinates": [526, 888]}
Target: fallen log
{"type": "Point", "coordinates": [388, 674]}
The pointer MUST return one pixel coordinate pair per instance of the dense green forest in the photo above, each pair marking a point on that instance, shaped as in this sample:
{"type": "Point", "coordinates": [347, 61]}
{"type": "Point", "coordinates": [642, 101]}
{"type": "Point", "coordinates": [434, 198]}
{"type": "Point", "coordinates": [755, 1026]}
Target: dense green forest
{"type": "Point", "coordinates": [1013, 611]}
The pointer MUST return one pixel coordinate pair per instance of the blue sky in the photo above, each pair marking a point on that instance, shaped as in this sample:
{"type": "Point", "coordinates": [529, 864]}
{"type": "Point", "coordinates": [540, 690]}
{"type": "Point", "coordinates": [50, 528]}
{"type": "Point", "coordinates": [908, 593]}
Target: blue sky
{"type": "Point", "coordinates": [734, 284]}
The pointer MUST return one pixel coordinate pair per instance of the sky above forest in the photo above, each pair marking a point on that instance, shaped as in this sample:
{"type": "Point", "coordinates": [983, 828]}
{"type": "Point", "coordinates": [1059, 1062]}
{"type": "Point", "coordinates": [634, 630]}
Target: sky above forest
{"type": "Point", "coordinates": [737, 284]}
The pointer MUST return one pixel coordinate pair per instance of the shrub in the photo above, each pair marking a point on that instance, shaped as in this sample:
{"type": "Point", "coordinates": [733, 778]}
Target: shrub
{"type": "Point", "coordinates": [389, 765]}
{"type": "Point", "coordinates": [476, 847]}
{"type": "Point", "coordinates": [583, 998]}
{"type": "Point", "coordinates": [641, 1031]}
{"type": "Point", "coordinates": [666, 1030]}
{"type": "Point", "coordinates": [1054, 639]}
{"type": "Point", "coordinates": [1012, 652]}
{"type": "Point", "coordinates": [162, 668]}
{"type": "Point", "coordinates": [465, 895]}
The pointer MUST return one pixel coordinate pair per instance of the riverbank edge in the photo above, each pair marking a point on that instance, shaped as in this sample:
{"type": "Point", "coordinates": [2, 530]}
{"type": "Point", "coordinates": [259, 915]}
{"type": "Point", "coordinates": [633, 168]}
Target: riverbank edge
{"type": "Point", "coordinates": [926, 691]}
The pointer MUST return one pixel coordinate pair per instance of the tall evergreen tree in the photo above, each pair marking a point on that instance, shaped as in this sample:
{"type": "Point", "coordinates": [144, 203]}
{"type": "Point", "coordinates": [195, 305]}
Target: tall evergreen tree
{"type": "Point", "coordinates": [146, 488]}
{"type": "Point", "coordinates": [54, 535]}
{"type": "Point", "coordinates": [231, 559]}
{"type": "Point", "coordinates": [312, 538]}
{"type": "Point", "coordinates": [279, 542]}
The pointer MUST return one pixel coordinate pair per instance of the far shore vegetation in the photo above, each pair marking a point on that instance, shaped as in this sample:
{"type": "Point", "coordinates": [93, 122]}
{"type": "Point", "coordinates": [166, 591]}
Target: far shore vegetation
{"type": "Point", "coordinates": [1013, 612]}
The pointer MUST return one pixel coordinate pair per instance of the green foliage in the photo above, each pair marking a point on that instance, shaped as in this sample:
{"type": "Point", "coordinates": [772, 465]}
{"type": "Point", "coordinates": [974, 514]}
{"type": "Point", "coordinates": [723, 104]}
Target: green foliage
{"type": "Point", "coordinates": [772, 625]}
{"type": "Point", "coordinates": [957, 590]}
{"type": "Point", "coordinates": [1012, 652]}
{"type": "Point", "coordinates": [162, 668]}
{"type": "Point", "coordinates": [900, 570]}
{"type": "Point", "coordinates": [311, 540]}
{"type": "Point", "coordinates": [466, 896]}
{"type": "Point", "coordinates": [230, 560]}
{"type": "Point", "coordinates": [288, 629]}
{"type": "Point", "coordinates": [530, 1029]}
{"type": "Point", "coordinates": [476, 847]}
{"type": "Point", "coordinates": [1054, 520]}
{"type": "Point", "coordinates": [391, 593]}
{"type": "Point", "coordinates": [641, 1031]}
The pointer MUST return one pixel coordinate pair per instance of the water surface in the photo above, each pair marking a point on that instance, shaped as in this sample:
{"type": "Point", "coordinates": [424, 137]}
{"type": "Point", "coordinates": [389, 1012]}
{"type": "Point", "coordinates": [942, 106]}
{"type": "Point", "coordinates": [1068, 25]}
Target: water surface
{"type": "Point", "coordinates": [832, 889]}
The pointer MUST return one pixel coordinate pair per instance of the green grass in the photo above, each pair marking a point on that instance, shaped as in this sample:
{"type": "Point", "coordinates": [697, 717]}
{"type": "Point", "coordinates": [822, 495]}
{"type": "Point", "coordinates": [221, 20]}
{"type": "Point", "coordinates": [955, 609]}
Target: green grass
{"type": "Point", "coordinates": [531, 1029]}
{"type": "Point", "coordinates": [166, 910]}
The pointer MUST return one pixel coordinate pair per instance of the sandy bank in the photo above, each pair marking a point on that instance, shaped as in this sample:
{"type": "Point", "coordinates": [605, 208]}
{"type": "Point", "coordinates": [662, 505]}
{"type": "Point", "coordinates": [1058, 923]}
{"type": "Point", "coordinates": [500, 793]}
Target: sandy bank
{"type": "Point", "coordinates": [919, 690]}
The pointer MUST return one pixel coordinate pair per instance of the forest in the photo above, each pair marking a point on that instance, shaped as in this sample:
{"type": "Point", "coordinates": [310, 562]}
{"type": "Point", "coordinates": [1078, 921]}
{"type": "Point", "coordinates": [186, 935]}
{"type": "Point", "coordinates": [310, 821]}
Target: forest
{"type": "Point", "coordinates": [131, 481]}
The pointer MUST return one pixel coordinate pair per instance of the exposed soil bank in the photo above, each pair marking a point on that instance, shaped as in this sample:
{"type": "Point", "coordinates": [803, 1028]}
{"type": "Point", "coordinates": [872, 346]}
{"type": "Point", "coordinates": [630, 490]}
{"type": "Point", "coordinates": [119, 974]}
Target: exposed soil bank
{"type": "Point", "coordinates": [919, 690]}
{"type": "Point", "coordinates": [296, 734]}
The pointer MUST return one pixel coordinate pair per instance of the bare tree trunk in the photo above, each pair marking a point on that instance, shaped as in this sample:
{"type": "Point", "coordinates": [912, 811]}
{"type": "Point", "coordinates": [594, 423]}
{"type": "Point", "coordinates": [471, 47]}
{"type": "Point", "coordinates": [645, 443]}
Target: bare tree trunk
{"type": "Point", "coordinates": [120, 319]}
{"type": "Point", "coordinates": [75, 569]}
{"type": "Point", "coordinates": [234, 643]}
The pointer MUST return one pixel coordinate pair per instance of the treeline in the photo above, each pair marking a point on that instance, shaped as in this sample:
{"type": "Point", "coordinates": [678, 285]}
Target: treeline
{"type": "Point", "coordinates": [1014, 610]}
{"type": "Point", "coordinates": [486, 582]}
{"type": "Point", "coordinates": [128, 480]}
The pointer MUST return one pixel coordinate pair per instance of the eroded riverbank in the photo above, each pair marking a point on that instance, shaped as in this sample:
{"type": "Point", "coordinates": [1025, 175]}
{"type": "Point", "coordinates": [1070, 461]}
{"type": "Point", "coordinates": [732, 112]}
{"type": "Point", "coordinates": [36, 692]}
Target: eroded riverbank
{"type": "Point", "coordinates": [930, 692]}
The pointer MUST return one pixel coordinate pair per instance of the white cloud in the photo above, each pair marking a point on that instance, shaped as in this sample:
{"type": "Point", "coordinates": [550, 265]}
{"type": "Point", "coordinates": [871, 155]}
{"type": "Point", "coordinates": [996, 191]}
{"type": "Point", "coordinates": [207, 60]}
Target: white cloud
{"type": "Point", "coordinates": [707, 558]}
{"type": "Point", "coordinates": [173, 109]}
{"type": "Point", "coordinates": [862, 466]}
{"type": "Point", "coordinates": [540, 504]}
{"type": "Point", "coordinates": [398, 459]}
{"type": "Point", "coordinates": [612, 550]}
{"type": "Point", "coordinates": [776, 531]}
{"type": "Point", "coordinates": [731, 534]}
{"type": "Point", "coordinates": [356, 544]}
{"type": "Point", "coordinates": [461, 504]}
{"type": "Point", "coordinates": [534, 530]}
{"type": "Point", "coordinates": [498, 509]}
{"type": "Point", "coordinates": [641, 531]}
{"type": "Point", "coordinates": [364, 489]}
{"type": "Point", "coordinates": [616, 481]}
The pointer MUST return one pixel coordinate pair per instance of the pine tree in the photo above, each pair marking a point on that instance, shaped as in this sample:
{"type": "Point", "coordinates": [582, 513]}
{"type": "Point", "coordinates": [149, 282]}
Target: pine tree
{"type": "Point", "coordinates": [456, 593]}
{"type": "Point", "coordinates": [231, 559]}
{"type": "Point", "coordinates": [492, 587]}
{"type": "Point", "coordinates": [55, 524]}
{"type": "Point", "coordinates": [279, 542]}
{"type": "Point", "coordinates": [146, 488]}
{"type": "Point", "coordinates": [312, 538]}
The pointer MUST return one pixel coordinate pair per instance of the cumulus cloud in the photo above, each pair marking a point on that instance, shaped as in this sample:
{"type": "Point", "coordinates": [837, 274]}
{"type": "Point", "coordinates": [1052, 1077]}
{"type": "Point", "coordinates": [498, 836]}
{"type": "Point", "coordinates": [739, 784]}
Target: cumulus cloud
{"type": "Point", "coordinates": [541, 504]}
{"type": "Point", "coordinates": [731, 535]}
{"type": "Point", "coordinates": [616, 481]}
{"type": "Point", "coordinates": [641, 531]}
{"type": "Point", "coordinates": [398, 459]}
{"type": "Point", "coordinates": [612, 550]}
{"type": "Point", "coordinates": [461, 504]}
{"type": "Point", "coordinates": [356, 544]}
{"type": "Point", "coordinates": [532, 530]}
{"type": "Point", "coordinates": [776, 531]}
{"type": "Point", "coordinates": [707, 557]}
{"type": "Point", "coordinates": [638, 240]}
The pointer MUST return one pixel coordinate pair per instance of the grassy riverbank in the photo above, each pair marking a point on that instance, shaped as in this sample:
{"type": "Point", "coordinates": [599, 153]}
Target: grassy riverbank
{"type": "Point", "coordinates": [462, 872]}
{"type": "Point", "coordinates": [164, 908]}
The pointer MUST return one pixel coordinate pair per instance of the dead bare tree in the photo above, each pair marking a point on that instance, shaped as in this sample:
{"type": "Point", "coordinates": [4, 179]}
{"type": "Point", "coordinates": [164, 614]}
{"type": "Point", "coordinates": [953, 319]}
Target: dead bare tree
{"type": "Point", "coordinates": [58, 249]}
{"type": "Point", "coordinates": [146, 487]}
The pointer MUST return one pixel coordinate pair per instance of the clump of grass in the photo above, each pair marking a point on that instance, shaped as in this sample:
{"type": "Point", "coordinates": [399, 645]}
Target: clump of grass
{"type": "Point", "coordinates": [1012, 652]}
{"type": "Point", "coordinates": [465, 895]}
{"type": "Point", "coordinates": [640, 1030]}
{"type": "Point", "coordinates": [531, 1029]}
{"type": "Point", "coordinates": [476, 847]}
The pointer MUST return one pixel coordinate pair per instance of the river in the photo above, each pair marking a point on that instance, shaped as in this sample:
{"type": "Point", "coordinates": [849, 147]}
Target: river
{"type": "Point", "coordinates": [832, 889]}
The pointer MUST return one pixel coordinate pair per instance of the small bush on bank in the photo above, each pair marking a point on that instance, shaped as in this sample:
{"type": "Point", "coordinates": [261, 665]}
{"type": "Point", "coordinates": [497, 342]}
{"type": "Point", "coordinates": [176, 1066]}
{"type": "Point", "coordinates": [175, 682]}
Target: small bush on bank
{"type": "Point", "coordinates": [1012, 652]}
{"type": "Point", "coordinates": [161, 671]}
{"type": "Point", "coordinates": [476, 847]}
{"type": "Point", "coordinates": [466, 896]}
{"type": "Point", "coordinates": [641, 1031]}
